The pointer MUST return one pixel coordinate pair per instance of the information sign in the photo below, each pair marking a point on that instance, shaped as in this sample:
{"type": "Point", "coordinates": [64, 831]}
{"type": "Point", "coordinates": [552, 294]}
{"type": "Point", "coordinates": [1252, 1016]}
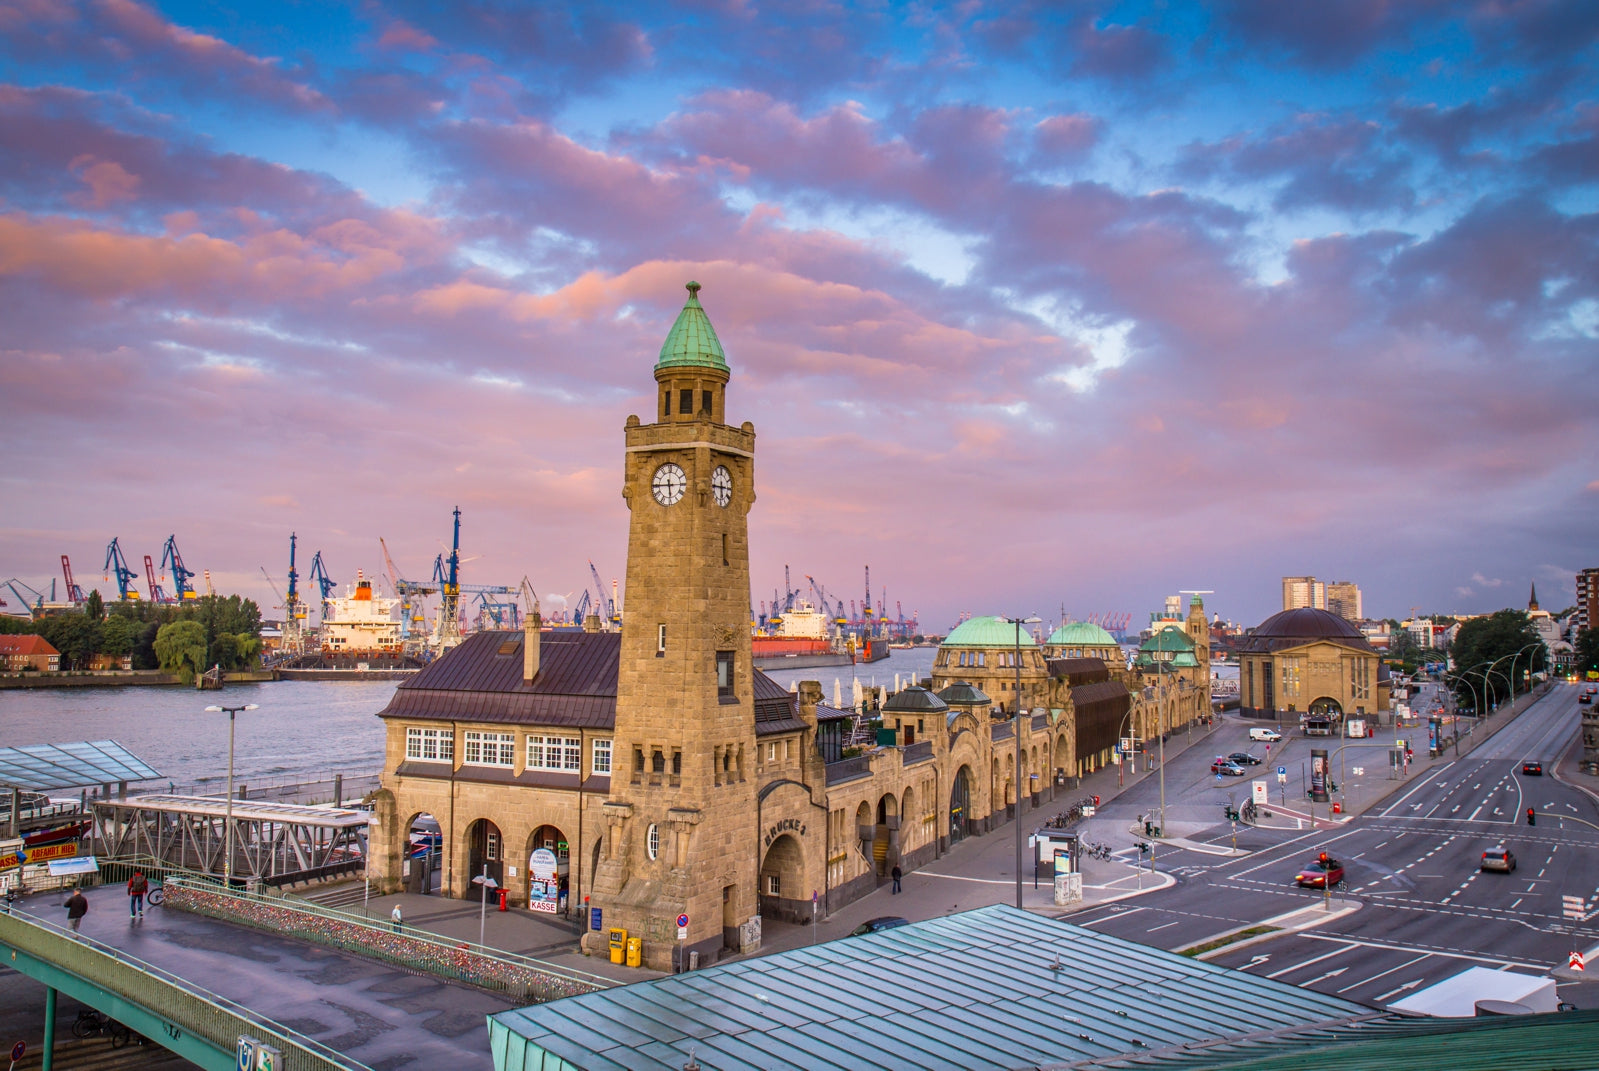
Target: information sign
{"type": "Point", "coordinates": [544, 882]}
{"type": "Point", "coordinates": [1260, 793]}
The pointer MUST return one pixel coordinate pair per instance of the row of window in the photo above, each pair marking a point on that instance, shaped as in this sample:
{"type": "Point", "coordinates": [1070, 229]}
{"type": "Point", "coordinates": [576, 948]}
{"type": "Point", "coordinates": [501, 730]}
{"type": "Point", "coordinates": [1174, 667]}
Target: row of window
{"type": "Point", "coordinates": [561, 754]}
{"type": "Point", "coordinates": [980, 659]}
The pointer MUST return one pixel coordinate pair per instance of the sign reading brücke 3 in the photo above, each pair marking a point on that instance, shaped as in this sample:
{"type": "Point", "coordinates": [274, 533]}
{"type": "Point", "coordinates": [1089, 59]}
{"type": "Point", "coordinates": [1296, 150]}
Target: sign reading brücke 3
{"type": "Point", "coordinates": [787, 825]}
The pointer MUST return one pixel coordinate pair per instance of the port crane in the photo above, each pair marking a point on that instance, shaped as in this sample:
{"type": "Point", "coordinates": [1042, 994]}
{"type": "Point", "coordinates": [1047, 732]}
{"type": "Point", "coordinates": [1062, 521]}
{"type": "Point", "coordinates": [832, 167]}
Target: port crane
{"type": "Point", "coordinates": [833, 608]}
{"type": "Point", "coordinates": [410, 594]}
{"type": "Point", "coordinates": [156, 594]}
{"type": "Point", "coordinates": [319, 576]}
{"type": "Point", "coordinates": [294, 610]}
{"type": "Point", "coordinates": [125, 576]}
{"type": "Point", "coordinates": [74, 593]}
{"type": "Point", "coordinates": [24, 594]}
{"type": "Point", "coordinates": [605, 606]}
{"type": "Point", "coordinates": [447, 575]}
{"type": "Point", "coordinates": [181, 588]}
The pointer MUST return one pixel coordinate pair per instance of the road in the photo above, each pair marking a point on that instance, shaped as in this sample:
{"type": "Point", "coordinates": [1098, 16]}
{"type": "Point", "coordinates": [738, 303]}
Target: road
{"type": "Point", "coordinates": [1425, 911]}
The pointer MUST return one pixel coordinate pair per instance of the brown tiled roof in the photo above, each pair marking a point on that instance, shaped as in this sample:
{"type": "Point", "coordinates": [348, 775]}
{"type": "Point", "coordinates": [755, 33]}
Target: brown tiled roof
{"type": "Point", "coordinates": [25, 645]}
{"type": "Point", "coordinates": [776, 708]}
{"type": "Point", "coordinates": [1079, 670]}
{"type": "Point", "coordinates": [1101, 709]}
{"type": "Point", "coordinates": [481, 680]}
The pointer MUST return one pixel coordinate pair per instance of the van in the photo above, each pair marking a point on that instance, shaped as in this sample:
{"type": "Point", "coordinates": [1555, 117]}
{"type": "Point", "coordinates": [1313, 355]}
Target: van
{"type": "Point", "coordinates": [1271, 736]}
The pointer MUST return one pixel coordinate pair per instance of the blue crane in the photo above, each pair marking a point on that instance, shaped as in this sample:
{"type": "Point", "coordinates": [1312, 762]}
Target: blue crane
{"type": "Point", "coordinates": [319, 576]}
{"type": "Point", "coordinates": [581, 612]}
{"type": "Point", "coordinates": [605, 605]}
{"type": "Point", "coordinates": [125, 576]}
{"type": "Point", "coordinates": [180, 574]}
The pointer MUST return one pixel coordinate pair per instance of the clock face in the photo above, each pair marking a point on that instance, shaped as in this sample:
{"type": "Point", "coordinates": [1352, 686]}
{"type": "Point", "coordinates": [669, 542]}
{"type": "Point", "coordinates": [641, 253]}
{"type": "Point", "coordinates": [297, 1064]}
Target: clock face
{"type": "Point", "coordinates": [668, 484]}
{"type": "Point", "coordinates": [722, 485]}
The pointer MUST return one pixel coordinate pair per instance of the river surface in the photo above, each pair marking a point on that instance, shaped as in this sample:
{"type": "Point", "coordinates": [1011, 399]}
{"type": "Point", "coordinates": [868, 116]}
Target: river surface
{"type": "Point", "coordinates": [302, 730]}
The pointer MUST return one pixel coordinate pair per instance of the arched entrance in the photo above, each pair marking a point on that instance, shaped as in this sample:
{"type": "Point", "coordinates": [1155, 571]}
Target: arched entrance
{"type": "Point", "coordinates": [424, 850]}
{"type": "Point", "coordinates": [782, 879]}
{"type": "Point", "coordinates": [885, 836]}
{"type": "Point", "coordinates": [1063, 758]}
{"type": "Point", "coordinates": [960, 805]}
{"type": "Point", "coordinates": [1326, 707]}
{"type": "Point", "coordinates": [484, 848]}
{"type": "Point", "coordinates": [546, 888]}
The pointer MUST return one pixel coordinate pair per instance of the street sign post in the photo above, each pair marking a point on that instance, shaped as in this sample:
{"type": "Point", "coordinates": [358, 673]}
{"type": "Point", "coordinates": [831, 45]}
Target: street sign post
{"type": "Point", "coordinates": [1575, 963]}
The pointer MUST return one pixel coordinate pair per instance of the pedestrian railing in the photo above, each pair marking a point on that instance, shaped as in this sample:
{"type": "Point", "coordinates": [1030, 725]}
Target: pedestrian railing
{"type": "Point", "coordinates": [522, 977]}
{"type": "Point", "coordinates": [921, 751]}
{"type": "Point", "coordinates": [86, 969]}
{"type": "Point", "coordinates": [850, 769]}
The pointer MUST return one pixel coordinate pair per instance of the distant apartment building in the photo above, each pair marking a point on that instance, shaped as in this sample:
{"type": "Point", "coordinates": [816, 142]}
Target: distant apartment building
{"type": "Point", "coordinates": [1304, 591]}
{"type": "Point", "coordinates": [28, 652]}
{"type": "Point", "coordinates": [1587, 599]}
{"type": "Point", "coordinates": [1343, 599]}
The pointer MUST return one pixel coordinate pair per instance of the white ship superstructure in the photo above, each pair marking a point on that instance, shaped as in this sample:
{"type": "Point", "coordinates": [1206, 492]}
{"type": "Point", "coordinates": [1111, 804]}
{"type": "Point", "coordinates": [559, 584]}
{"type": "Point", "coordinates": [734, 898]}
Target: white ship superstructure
{"type": "Point", "coordinates": [360, 621]}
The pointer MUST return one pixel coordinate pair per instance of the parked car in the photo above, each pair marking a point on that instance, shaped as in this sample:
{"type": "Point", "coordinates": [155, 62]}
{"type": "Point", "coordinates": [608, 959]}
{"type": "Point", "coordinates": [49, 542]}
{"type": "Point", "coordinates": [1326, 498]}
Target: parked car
{"type": "Point", "coordinates": [1500, 859]}
{"type": "Point", "coordinates": [1532, 769]}
{"type": "Point", "coordinates": [1244, 758]}
{"type": "Point", "coordinates": [1271, 736]}
{"type": "Point", "coordinates": [877, 925]}
{"type": "Point", "coordinates": [1321, 872]}
{"type": "Point", "coordinates": [1228, 767]}
{"type": "Point", "coordinates": [1585, 698]}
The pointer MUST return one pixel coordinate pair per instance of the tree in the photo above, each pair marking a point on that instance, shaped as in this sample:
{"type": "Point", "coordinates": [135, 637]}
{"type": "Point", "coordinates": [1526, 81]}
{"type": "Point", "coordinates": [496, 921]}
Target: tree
{"type": "Point", "coordinates": [117, 635]}
{"type": "Point", "coordinates": [1483, 641]}
{"type": "Point", "coordinates": [1586, 652]}
{"type": "Point", "coordinates": [94, 606]}
{"type": "Point", "coordinates": [180, 648]}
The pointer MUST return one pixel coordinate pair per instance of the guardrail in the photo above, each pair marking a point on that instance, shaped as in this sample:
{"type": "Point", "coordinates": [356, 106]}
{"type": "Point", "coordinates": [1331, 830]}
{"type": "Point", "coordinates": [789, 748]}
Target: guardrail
{"type": "Point", "coordinates": [523, 977]}
{"type": "Point", "coordinates": [84, 968]}
{"type": "Point", "coordinates": [849, 769]}
{"type": "Point", "coordinates": [921, 751]}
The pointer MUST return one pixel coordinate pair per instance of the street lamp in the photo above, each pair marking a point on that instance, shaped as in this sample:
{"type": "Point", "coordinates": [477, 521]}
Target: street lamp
{"type": "Point", "coordinates": [227, 864]}
{"type": "Point", "coordinates": [1518, 654]}
{"type": "Point", "coordinates": [1016, 778]}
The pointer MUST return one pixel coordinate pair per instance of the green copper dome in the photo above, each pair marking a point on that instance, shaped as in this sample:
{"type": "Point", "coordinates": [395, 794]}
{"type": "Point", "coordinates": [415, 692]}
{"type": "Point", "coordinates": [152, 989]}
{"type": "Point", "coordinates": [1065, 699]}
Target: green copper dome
{"type": "Point", "coordinates": [1080, 634]}
{"type": "Point", "coordinates": [986, 632]}
{"type": "Point", "coordinates": [1171, 646]}
{"type": "Point", "coordinates": [692, 341]}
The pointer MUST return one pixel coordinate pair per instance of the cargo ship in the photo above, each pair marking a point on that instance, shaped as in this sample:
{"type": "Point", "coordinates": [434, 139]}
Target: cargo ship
{"type": "Point", "coordinates": [804, 639]}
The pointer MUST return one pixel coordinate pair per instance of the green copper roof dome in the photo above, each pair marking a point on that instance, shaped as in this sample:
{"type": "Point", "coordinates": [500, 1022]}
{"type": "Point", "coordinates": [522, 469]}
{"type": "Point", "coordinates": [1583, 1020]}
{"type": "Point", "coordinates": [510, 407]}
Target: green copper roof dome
{"type": "Point", "coordinates": [692, 341]}
{"type": "Point", "coordinates": [1080, 634]}
{"type": "Point", "coordinates": [986, 632]}
{"type": "Point", "coordinates": [1171, 646]}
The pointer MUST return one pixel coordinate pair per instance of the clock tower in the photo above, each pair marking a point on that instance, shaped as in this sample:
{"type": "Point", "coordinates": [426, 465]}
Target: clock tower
{"type": "Point", "coordinates": [680, 835]}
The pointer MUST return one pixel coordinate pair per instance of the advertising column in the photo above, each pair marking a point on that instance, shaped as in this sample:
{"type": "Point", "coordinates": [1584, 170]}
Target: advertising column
{"type": "Point", "coordinates": [1318, 775]}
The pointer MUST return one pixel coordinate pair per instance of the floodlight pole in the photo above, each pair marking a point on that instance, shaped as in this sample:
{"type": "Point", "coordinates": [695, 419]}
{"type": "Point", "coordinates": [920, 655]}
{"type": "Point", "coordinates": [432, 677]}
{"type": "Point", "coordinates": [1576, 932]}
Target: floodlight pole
{"type": "Point", "coordinates": [1016, 778]}
{"type": "Point", "coordinates": [227, 832]}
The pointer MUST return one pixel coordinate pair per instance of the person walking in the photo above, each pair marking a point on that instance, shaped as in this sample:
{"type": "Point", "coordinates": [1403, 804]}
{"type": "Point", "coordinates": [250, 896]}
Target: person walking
{"type": "Point", "coordinates": [138, 885]}
{"type": "Point", "coordinates": [397, 923]}
{"type": "Point", "coordinates": [896, 874]}
{"type": "Point", "coordinates": [77, 906]}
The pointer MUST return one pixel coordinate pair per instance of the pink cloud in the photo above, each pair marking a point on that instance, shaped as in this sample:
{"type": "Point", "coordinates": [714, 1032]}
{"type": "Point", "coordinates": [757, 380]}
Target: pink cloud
{"type": "Point", "coordinates": [107, 180]}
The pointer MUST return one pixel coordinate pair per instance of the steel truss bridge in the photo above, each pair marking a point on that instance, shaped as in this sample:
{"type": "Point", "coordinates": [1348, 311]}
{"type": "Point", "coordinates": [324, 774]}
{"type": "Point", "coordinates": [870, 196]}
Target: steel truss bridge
{"type": "Point", "coordinates": [273, 843]}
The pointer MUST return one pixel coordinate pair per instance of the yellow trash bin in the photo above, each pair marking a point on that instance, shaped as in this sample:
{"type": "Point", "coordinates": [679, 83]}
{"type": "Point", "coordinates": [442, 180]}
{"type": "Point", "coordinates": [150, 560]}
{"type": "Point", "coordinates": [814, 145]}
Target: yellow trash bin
{"type": "Point", "coordinates": [618, 946]}
{"type": "Point", "coordinates": [635, 951]}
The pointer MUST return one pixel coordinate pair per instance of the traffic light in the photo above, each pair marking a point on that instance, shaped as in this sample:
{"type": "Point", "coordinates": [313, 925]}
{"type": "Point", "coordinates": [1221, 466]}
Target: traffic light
{"type": "Point", "coordinates": [1322, 858]}
{"type": "Point", "coordinates": [1532, 817]}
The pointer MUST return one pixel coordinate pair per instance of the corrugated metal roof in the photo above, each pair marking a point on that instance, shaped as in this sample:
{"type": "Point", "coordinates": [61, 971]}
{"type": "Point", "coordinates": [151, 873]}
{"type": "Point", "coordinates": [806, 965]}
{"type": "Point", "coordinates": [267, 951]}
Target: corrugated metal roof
{"type": "Point", "coordinates": [992, 988]}
{"type": "Point", "coordinates": [41, 767]}
{"type": "Point", "coordinates": [1079, 670]}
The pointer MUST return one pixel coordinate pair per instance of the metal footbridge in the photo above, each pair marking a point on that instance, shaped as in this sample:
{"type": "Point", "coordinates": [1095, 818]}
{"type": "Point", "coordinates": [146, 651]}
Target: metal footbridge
{"type": "Point", "coordinates": [198, 1025]}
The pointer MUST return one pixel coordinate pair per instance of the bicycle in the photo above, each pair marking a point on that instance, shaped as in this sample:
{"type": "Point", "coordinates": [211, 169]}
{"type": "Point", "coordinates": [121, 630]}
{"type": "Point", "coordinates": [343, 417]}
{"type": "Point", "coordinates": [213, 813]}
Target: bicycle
{"type": "Point", "coordinates": [155, 896]}
{"type": "Point", "coordinates": [91, 1023]}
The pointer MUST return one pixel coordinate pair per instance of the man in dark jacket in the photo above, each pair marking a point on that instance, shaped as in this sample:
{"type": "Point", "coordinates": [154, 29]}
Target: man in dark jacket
{"type": "Point", "coordinates": [77, 906]}
{"type": "Point", "coordinates": [897, 875]}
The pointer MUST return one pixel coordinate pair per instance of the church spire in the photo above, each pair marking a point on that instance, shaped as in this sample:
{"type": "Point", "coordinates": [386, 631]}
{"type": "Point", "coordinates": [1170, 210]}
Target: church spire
{"type": "Point", "coordinates": [1532, 601]}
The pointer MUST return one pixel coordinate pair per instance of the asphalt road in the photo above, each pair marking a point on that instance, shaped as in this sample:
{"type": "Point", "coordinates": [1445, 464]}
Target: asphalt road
{"type": "Point", "coordinates": [1425, 911]}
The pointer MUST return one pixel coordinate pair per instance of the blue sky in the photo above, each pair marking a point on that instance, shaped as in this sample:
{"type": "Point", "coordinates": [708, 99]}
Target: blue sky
{"type": "Point", "coordinates": [1129, 297]}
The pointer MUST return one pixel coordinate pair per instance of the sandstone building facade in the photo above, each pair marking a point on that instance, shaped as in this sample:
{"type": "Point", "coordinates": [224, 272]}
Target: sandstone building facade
{"type": "Point", "coordinates": [654, 774]}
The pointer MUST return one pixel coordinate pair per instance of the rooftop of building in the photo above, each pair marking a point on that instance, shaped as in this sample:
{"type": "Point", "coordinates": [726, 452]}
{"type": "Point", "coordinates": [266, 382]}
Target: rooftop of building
{"type": "Point", "coordinates": [26, 645]}
{"type": "Point", "coordinates": [1294, 628]}
{"type": "Point", "coordinates": [989, 632]}
{"type": "Point", "coordinates": [1080, 634]}
{"type": "Point", "coordinates": [692, 342]}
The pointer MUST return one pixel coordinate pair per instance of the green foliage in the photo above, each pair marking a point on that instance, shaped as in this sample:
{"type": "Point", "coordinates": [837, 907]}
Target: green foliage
{"type": "Point", "coordinates": [94, 606]}
{"type": "Point", "coordinates": [117, 636]}
{"type": "Point", "coordinates": [1586, 650]}
{"type": "Point", "coordinates": [230, 630]}
{"type": "Point", "coordinates": [180, 648]}
{"type": "Point", "coordinates": [1495, 638]}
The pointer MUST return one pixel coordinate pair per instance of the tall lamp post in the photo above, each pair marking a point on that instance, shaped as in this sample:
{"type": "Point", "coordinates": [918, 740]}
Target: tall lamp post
{"type": "Point", "coordinates": [1518, 654]}
{"type": "Point", "coordinates": [1016, 779]}
{"type": "Point", "coordinates": [227, 863]}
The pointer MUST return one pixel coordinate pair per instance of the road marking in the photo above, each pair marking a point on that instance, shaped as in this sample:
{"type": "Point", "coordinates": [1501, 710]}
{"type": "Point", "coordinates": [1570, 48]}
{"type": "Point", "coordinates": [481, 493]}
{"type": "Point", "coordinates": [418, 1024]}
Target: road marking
{"type": "Point", "coordinates": [1401, 989]}
{"type": "Point", "coordinates": [1431, 949]}
{"type": "Point", "coordinates": [1475, 813]}
{"type": "Point", "coordinates": [1167, 925]}
{"type": "Point", "coordinates": [1324, 977]}
{"type": "Point", "coordinates": [1308, 962]}
{"type": "Point", "coordinates": [1390, 970]}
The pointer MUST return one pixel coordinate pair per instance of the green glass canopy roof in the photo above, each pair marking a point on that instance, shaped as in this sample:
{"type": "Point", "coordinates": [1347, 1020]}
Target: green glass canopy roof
{"type": "Point", "coordinates": [692, 342]}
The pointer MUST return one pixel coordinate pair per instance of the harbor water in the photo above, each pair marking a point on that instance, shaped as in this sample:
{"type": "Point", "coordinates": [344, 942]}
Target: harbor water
{"type": "Point", "coordinates": [301, 730]}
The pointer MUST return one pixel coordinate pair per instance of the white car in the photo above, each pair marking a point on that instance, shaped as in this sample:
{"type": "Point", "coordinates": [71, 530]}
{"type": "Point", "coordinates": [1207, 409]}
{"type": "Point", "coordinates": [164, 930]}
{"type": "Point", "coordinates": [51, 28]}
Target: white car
{"type": "Point", "coordinates": [1271, 736]}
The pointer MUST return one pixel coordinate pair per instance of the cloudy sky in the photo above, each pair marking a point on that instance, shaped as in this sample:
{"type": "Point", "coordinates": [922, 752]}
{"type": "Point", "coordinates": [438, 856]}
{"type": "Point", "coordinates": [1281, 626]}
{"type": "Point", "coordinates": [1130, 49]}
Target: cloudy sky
{"type": "Point", "coordinates": [1033, 305]}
